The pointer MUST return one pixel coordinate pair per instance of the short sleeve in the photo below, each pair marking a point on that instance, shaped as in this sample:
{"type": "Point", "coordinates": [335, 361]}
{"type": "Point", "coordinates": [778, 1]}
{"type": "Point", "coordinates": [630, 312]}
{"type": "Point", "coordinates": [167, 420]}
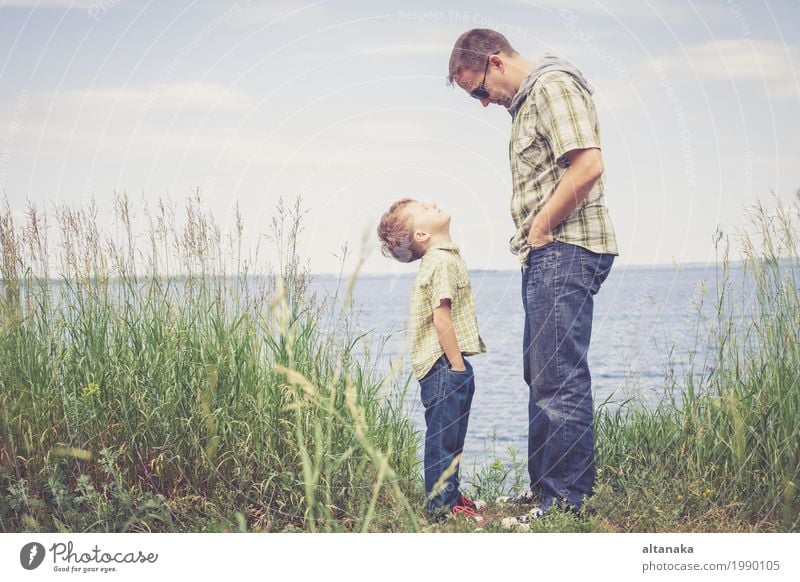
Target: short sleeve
{"type": "Point", "coordinates": [443, 283]}
{"type": "Point", "coordinates": [566, 115]}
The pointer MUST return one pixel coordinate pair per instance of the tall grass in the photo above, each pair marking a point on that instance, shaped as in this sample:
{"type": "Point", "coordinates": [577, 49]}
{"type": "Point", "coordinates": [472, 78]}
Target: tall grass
{"type": "Point", "coordinates": [167, 382]}
{"type": "Point", "coordinates": [722, 450]}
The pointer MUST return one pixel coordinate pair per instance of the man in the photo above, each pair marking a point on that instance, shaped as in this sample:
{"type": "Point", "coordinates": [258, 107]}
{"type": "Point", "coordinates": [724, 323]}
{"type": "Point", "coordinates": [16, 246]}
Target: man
{"type": "Point", "coordinates": [566, 245]}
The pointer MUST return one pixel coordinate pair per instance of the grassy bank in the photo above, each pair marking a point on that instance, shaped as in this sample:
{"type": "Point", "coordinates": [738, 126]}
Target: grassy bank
{"type": "Point", "coordinates": [135, 400]}
{"type": "Point", "coordinates": [721, 451]}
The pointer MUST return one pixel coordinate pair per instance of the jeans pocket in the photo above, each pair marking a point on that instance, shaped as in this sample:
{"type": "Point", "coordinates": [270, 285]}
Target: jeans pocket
{"type": "Point", "coordinates": [544, 246]}
{"type": "Point", "coordinates": [457, 380]}
{"type": "Point", "coordinates": [542, 262]}
{"type": "Point", "coordinates": [467, 368]}
{"type": "Point", "coordinates": [595, 268]}
{"type": "Point", "coordinates": [429, 391]}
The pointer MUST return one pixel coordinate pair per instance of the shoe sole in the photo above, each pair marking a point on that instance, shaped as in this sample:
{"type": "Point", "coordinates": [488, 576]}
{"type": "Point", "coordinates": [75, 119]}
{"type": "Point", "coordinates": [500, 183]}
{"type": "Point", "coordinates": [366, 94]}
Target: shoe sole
{"type": "Point", "coordinates": [522, 522]}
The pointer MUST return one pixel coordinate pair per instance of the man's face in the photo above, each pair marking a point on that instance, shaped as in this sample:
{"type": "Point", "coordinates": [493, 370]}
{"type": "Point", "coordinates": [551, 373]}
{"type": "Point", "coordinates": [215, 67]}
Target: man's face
{"type": "Point", "coordinates": [428, 218]}
{"type": "Point", "coordinates": [496, 82]}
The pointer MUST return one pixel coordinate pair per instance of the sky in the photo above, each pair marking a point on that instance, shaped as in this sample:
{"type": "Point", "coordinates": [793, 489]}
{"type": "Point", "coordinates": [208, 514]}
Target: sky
{"type": "Point", "coordinates": [346, 105]}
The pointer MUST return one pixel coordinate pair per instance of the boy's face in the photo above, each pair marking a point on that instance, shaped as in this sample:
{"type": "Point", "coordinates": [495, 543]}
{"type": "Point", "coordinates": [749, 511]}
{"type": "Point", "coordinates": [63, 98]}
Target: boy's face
{"type": "Point", "coordinates": [428, 219]}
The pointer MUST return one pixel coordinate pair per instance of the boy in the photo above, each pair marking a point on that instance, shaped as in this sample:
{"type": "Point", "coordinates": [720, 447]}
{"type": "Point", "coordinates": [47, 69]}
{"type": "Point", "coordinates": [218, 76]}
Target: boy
{"type": "Point", "coordinates": [443, 329]}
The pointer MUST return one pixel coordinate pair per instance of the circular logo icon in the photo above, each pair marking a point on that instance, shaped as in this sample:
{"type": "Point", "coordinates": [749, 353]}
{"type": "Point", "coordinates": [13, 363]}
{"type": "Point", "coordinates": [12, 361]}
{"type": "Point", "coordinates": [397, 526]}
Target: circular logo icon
{"type": "Point", "coordinates": [31, 556]}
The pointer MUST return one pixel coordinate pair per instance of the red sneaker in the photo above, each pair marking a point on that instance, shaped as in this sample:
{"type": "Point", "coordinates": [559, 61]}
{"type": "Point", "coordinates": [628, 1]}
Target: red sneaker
{"type": "Point", "coordinates": [469, 515]}
{"type": "Point", "coordinates": [474, 505]}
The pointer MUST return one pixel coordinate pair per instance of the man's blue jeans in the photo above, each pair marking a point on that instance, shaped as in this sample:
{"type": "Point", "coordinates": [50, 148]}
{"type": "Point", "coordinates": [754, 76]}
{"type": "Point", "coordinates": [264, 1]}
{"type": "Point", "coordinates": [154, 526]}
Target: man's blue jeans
{"type": "Point", "coordinates": [447, 398]}
{"type": "Point", "coordinates": [559, 282]}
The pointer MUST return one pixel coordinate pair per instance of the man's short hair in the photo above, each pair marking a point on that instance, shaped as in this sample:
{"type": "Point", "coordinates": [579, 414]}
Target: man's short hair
{"type": "Point", "coordinates": [396, 231]}
{"type": "Point", "coordinates": [473, 48]}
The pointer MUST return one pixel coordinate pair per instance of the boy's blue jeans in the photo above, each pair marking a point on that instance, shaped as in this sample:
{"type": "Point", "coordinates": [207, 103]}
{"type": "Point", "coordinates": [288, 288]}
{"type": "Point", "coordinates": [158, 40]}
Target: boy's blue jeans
{"type": "Point", "coordinates": [447, 398]}
{"type": "Point", "coordinates": [559, 282]}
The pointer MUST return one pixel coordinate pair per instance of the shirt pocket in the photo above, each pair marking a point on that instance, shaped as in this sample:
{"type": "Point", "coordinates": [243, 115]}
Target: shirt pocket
{"type": "Point", "coordinates": [530, 150]}
{"type": "Point", "coordinates": [463, 289]}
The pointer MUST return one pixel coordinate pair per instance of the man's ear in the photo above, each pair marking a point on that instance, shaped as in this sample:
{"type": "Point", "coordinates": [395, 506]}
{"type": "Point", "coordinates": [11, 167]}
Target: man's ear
{"type": "Point", "coordinates": [497, 61]}
{"type": "Point", "coordinates": [421, 236]}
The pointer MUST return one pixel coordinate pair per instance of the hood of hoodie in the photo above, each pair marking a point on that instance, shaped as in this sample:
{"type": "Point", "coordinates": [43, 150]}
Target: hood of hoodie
{"type": "Point", "coordinates": [546, 64]}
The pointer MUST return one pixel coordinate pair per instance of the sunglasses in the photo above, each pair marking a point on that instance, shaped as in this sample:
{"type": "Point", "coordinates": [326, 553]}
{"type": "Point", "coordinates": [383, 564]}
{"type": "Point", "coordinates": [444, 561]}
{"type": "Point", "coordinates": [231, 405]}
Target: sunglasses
{"type": "Point", "coordinates": [480, 92]}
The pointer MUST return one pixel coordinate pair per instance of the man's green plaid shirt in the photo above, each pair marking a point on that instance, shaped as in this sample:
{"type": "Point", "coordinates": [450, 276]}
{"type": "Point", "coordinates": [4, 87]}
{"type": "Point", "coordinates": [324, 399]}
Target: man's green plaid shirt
{"type": "Point", "coordinates": [557, 116]}
{"type": "Point", "coordinates": [442, 275]}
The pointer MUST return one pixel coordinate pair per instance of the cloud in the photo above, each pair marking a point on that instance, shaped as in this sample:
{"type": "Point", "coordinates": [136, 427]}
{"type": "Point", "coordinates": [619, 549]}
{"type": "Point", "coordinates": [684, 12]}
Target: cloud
{"type": "Point", "coordinates": [257, 13]}
{"type": "Point", "coordinates": [139, 123]}
{"type": "Point", "coordinates": [72, 4]}
{"type": "Point", "coordinates": [150, 117]}
{"type": "Point", "coordinates": [391, 129]}
{"type": "Point", "coordinates": [405, 50]}
{"type": "Point", "coordinates": [167, 96]}
{"type": "Point", "coordinates": [739, 60]}
{"type": "Point", "coordinates": [660, 10]}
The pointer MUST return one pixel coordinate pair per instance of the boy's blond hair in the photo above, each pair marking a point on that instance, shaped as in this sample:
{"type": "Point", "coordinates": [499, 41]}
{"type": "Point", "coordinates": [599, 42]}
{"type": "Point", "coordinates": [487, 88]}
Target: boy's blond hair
{"type": "Point", "coordinates": [396, 231]}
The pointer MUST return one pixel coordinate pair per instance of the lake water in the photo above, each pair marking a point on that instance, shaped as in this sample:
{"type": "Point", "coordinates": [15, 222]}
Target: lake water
{"type": "Point", "coordinates": [646, 320]}
{"type": "Point", "coordinates": [649, 323]}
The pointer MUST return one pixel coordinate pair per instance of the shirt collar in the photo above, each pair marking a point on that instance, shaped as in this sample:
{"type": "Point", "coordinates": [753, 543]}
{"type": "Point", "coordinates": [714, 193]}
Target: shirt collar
{"type": "Point", "coordinates": [445, 246]}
